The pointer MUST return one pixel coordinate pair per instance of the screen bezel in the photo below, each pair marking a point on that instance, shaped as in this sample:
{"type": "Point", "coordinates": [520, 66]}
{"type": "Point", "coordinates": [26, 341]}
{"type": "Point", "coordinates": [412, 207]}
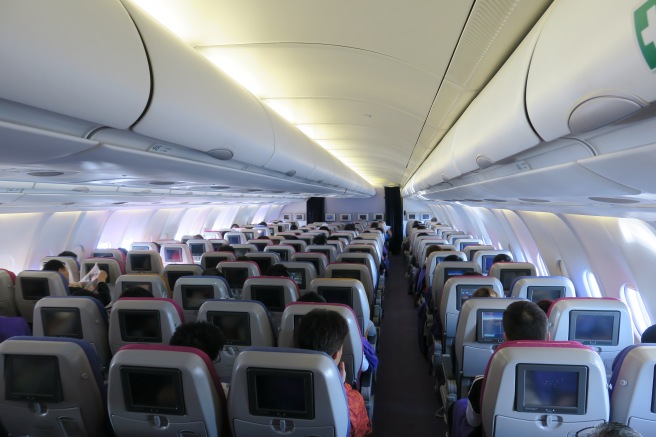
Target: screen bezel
{"type": "Point", "coordinates": [504, 272]}
{"type": "Point", "coordinates": [306, 376]}
{"type": "Point", "coordinates": [531, 289]}
{"type": "Point", "coordinates": [486, 263]}
{"type": "Point", "coordinates": [480, 338]}
{"type": "Point", "coordinates": [461, 289]}
{"type": "Point", "coordinates": [176, 374]}
{"type": "Point", "coordinates": [143, 265]}
{"type": "Point", "coordinates": [42, 283]}
{"type": "Point", "coordinates": [46, 312]}
{"type": "Point", "coordinates": [11, 392]}
{"type": "Point", "coordinates": [277, 290]}
{"type": "Point", "coordinates": [124, 313]}
{"type": "Point", "coordinates": [292, 270]}
{"type": "Point", "coordinates": [614, 341]}
{"type": "Point", "coordinates": [199, 249]}
{"type": "Point", "coordinates": [245, 322]}
{"type": "Point", "coordinates": [581, 390]}
{"type": "Point", "coordinates": [347, 290]}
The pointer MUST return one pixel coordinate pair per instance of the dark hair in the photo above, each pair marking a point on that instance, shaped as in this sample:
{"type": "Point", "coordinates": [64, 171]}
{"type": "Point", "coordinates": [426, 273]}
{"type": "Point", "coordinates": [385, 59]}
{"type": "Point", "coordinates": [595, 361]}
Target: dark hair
{"type": "Point", "coordinates": [135, 292]}
{"type": "Point", "coordinates": [614, 429]}
{"type": "Point", "coordinates": [374, 225]}
{"type": "Point", "coordinates": [325, 228]}
{"type": "Point", "coordinates": [311, 296]}
{"type": "Point", "coordinates": [524, 320]}
{"type": "Point", "coordinates": [545, 304]}
{"type": "Point", "coordinates": [291, 237]}
{"type": "Point", "coordinates": [322, 330]}
{"type": "Point", "coordinates": [452, 258]}
{"type": "Point", "coordinates": [201, 335]}
{"type": "Point", "coordinates": [211, 271]}
{"type": "Point", "coordinates": [319, 239]}
{"type": "Point", "coordinates": [234, 225]}
{"type": "Point", "coordinates": [277, 270]}
{"type": "Point", "coordinates": [649, 336]}
{"type": "Point", "coordinates": [349, 227]}
{"type": "Point", "coordinates": [68, 253]}
{"type": "Point", "coordinates": [432, 248]}
{"type": "Point", "coordinates": [485, 292]}
{"type": "Point", "coordinates": [501, 258]}
{"type": "Point", "coordinates": [262, 223]}
{"type": "Point", "coordinates": [53, 265]}
{"type": "Point", "coordinates": [226, 248]}
{"type": "Point", "coordinates": [293, 227]}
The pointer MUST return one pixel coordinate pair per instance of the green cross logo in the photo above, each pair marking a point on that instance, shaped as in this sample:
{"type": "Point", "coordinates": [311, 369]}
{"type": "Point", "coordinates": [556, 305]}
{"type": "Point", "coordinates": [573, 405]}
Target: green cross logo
{"type": "Point", "coordinates": [645, 25]}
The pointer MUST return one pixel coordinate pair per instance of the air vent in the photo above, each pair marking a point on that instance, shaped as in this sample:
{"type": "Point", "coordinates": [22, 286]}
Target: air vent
{"type": "Point", "coordinates": [495, 200]}
{"type": "Point", "coordinates": [161, 183]}
{"type": "Point", "coordinates": [119, 203]}
{"type": "Point", "coordinates": [290, 173]}
{"type": "Point", "coordinates": [613, 200]}
{"type": "Point", "coordinates": [535, 200]}
{"type": "Point", "coordinates": [484, 162]}
{"type": "Point", "coordinates": [253, 190]}
{"type": "Point", "coordinates": [221, 154]}
{"type": "Point", "coordinates": [219, 187]}
{"type": "Point", "coordinates": [45, 173]}
{"type": "Point", "coordinates": [81, 189]}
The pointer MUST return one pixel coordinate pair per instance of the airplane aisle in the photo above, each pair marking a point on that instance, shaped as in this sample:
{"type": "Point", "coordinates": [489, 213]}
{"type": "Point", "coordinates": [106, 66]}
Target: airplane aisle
{"type": "Point", "coordinates": [405, 403]}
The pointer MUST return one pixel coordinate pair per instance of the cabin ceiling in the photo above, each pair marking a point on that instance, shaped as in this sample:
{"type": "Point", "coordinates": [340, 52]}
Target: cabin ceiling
{"type": "Point", "coordinates": [376, 83]}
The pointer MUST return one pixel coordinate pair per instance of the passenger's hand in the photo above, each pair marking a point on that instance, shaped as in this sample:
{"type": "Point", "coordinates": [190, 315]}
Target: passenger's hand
{"type": "Point", "coordinates": [102, 276]}
{"type": "Point", "coordinates": [342, 371]}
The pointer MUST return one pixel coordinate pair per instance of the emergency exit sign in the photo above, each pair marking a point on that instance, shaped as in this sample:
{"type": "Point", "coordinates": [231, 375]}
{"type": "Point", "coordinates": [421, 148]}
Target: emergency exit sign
{"type": "Point", "coordinates": [645, 25]}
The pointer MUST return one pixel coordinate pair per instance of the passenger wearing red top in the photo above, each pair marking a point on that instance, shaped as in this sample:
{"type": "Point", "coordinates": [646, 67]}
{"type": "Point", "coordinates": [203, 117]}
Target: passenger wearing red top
{"type": "Point", "coordinates": [325, 330]}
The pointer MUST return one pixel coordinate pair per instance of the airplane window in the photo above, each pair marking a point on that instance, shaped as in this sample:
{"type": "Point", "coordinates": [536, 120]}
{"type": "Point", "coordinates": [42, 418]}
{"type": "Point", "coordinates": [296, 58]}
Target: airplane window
{"type": "Point", "coordinates": [104, 245]}
{"type": "Point", "coordinates": [591, 284]}
{"type": "Point", "coordinates": [543, 270]}
{"type": "Point", "coordinates": [631, 296]}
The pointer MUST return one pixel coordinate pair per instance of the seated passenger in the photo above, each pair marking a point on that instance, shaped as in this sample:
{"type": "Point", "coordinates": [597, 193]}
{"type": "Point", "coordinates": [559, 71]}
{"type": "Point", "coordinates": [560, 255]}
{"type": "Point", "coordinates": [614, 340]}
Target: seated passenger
{"type": "Point", "coordinates": [276, 270]}
{"type": "Point", "coordinates": [101, 292]}
{"type": "Point", "coordinates": [484, 292]}
{"type": "Point", "coordinates": [201, 335]}
{"type": "Point", "coordinates": [135, 292]}
{"type": "Point", "coordinates": [649, 336]}
{"type": "Point", "coordinates": [611, 429]}
{"type": "Point", "coordinates": [324, 330]}
{"type": "Point", "coordinates": [320, 239]}
{"type": "Point", "coordinates": [545, 305]}
{"type": "Point", "coordinates": [54, 265]}
{"type": "Point", "coordinates": [211, 271]}
{"type": "Point", "coordinates": [311, 296]}
{"type": "Point", "coordinates": [522, 320]}
{"type": "Point", "coordinates": [501, 258]}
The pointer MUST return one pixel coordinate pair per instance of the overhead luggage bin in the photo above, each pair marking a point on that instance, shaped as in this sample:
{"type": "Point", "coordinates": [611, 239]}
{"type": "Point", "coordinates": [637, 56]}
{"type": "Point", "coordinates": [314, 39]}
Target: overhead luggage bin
{"type": "Point", "coordinates": [74, 57]}
{"type": "Point", "coordinates": [588, 69]}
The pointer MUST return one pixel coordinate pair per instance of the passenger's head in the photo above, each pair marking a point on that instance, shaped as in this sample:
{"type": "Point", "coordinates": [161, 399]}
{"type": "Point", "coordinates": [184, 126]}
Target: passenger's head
{"type": "Point", "coordinates": [323, 330]}
{"type": "Point", "coordinates": [432, 248]}
{"type": "Point", "coordinates": [211, 271]}
{"type": "Point", "coordinates": [55, 265]}
{"type": "Point", "coordinates": [614, 429]}
{"type": "Point", "coordinates": [68, 253]}
{"type": "Point", "coordinates": [277, 270]}
{"type": "Point", "coordinates": [311, 296]}
{"type": "Point", "coordinates": [319, 239]}
{"type": "Point", "coordinates": [234, 226]}
{"type": "Point", "coordinates": [649, 336]}
{"type": "Point", "coordinates": [524, 320]}
{"type": "Point", "coordinates": [226, 248]}
{"type": "Point", "coordinates": [349, 227]}
{"type": "Point", "coordinates": [135, 292]}
{"type": "Point", "coordinates": [501, 258]}
{"type": "Point", "coordinates": [262, 223]}
{"type": "Point", "coordinates": [374, 225]}
{"type": "Point", "coordinates": [293, 227]}
{"type": "Point", "coordinates": [452, 258]}
{"type": "Point", "coordinates": [201, 335]}
{"type": "Point", "coordinates": [545, 305]}
{"type": "Point", "coordinates": [485, 292]}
